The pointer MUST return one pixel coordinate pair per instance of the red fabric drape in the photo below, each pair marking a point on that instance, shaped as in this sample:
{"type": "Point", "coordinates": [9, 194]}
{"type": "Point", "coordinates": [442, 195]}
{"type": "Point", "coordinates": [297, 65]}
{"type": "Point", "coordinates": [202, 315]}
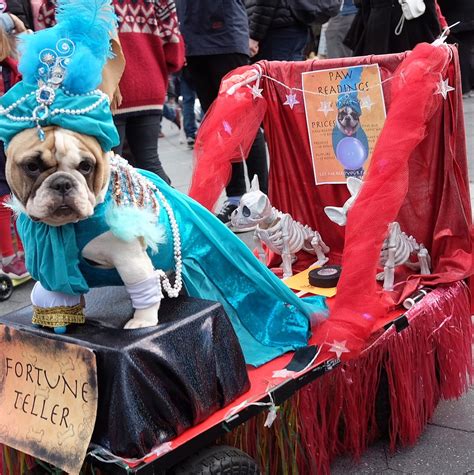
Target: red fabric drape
{"type": "Point", "coordinates": [418, 177]}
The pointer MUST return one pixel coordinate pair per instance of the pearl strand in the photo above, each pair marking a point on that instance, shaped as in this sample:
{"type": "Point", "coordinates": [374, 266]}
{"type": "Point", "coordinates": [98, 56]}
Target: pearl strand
{"type": "Point", "coordinates": [172, 291]}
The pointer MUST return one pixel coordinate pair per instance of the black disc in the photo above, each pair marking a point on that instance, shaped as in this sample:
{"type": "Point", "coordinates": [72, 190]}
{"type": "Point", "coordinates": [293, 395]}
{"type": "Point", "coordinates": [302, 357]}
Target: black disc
{"type": "Point", "coordinates": [325, 277]}
{"type": "Point", "coordinates": [6, 287]}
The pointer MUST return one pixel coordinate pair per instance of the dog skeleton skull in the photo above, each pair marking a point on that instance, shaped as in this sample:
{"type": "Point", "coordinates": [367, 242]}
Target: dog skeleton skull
{"type": "Point", "coordinates": [279, 231]}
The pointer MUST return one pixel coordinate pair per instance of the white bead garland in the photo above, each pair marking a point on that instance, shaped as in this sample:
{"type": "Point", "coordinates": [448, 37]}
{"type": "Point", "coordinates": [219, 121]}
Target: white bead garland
{"type": "Point", "coordinates": [23, 118]}
{"type": "Point", "coordinates": [172, 291]}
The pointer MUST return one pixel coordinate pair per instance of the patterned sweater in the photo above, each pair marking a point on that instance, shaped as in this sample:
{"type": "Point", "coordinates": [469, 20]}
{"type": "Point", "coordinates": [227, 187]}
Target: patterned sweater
{"type": "Point", "coordinates": [152, 45]}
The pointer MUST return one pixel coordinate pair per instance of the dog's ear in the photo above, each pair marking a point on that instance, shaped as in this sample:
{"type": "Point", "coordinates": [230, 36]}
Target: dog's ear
{"type": "Point", "coordinates": [112, 74]}
{"type": "Point", "coordinates": [354, 185]}
{"type": "Point", "coordinates": [255, 185]}
{"type": "Point", "coordinates": [102, 173]}
{"type": "Point", "coordinates": [336, 215]}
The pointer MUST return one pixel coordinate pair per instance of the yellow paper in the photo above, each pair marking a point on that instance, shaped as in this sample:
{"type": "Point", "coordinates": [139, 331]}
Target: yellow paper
{"type": "Point", "coordinates": [300, 282]}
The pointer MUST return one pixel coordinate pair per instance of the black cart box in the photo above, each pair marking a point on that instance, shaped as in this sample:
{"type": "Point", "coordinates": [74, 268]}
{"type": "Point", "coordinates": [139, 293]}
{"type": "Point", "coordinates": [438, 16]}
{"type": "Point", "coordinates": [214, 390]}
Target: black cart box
{"type": "Point", "coordinates": [153, 383]}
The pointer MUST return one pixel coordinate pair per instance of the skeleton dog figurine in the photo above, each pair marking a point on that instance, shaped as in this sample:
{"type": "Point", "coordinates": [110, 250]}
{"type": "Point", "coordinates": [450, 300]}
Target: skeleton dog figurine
{"type": "Point", "coordinates": [397, 246]}
{"type": "Point", "coordinates": [279, 231]}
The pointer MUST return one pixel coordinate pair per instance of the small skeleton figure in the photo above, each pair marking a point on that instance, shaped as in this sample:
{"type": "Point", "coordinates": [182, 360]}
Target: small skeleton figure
{"type": "Point", "coordinates": [279, 231]}
{"type": "Point", "coordinates": [396, 250]}
{"type": "Point", "coordinates": [397, 247]}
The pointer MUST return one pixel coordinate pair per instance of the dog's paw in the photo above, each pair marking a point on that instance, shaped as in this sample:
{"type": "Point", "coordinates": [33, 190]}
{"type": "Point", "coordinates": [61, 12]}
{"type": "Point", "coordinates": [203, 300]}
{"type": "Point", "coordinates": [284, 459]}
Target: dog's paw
{"type": "Point", "coordinates": [139, 323]}
{"type": "Point", "coordinates": [143, 318]}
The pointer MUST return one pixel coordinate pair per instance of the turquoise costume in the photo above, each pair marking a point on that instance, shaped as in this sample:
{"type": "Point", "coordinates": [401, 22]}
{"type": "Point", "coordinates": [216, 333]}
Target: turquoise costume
{"type": "Point", "coordinates": [62, 68]}
{"type": "Point", "coordinates": [267, 316]}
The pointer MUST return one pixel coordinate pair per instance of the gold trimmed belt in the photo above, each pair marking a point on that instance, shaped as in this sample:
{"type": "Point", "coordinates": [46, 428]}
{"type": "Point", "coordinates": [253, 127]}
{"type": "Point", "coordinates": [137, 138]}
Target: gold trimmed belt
{"type": "Point", "coordinates": [58, 316]}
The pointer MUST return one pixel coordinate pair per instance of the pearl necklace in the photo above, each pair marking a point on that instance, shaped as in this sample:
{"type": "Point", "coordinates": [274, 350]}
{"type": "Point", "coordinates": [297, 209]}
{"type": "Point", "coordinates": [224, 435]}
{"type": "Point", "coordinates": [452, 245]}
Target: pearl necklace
{"type": "Point", "coordinates": [136, 182]}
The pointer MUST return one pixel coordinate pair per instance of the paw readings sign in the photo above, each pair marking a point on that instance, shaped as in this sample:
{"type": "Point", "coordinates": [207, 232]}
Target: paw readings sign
{"type": "Point", "coordinates": [48, 398]}
{"type": "Point", "coordinates": [345, 112]}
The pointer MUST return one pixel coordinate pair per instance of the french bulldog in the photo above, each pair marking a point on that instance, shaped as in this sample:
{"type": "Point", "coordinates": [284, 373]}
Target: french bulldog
{"type": "Point", "coordinates": [347, 120]}
{"type": "Point", "coordinates": [61, 180]}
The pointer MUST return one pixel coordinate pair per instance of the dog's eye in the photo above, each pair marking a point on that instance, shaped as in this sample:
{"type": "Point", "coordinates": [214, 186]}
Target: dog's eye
{"type": "Point", "coordinates": [32, 169]}
{"type": "Point", "coordinates": [85, 167]}
{"type": "Point", "coordinates": [246, 212]}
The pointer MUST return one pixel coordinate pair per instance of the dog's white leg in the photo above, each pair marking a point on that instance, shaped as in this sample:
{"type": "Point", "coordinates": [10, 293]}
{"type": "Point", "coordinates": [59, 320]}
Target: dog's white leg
{"type": "Point", "coordinates": [424, 260]}
{"type": "Point", "coordinates": [137, 272]}
{"type": "Point", "coordinates": [320, 249]}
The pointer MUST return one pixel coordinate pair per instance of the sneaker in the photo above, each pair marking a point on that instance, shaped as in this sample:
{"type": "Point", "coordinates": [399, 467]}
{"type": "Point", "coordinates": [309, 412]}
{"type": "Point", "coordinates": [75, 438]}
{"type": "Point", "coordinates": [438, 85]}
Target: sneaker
{"type": "Point", "coordinates": [225, 213]}
{"type": "Point", "coordinates": [190, 141]}
{"type": "Point", "coordinates": [16, 269]}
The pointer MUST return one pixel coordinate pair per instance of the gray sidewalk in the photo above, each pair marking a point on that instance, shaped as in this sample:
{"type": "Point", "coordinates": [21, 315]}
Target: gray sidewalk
{"type": "Point", "coordinates": [446, 446]}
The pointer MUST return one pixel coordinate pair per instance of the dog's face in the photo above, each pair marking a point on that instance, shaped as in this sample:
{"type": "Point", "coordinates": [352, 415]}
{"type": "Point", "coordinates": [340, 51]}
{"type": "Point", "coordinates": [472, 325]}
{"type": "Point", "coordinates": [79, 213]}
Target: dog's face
{"type": "Point", "coordinates": [253, 208]}
{"type": "Point", "coordinates": [59, 180]}
{"type": "Point", "coordinates": [347, 120]}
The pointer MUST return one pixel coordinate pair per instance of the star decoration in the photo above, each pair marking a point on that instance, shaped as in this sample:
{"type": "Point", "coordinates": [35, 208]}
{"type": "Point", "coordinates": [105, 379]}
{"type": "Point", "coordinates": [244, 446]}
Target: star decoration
{"type": "Point", "coordinates": [256, 91]}
{"type": "Point", "coordinates": [444, 88]}
{"type": "Point", "coordinates": [325, 108]}
{"type": "Point", "coordinates": [338, 347]}
{"type": "Point", "coordinates": [366, 102]}
{"type": "Point", "coordinates": [227, 127]}
{"type": "Point", "coordinates": [291, 100]}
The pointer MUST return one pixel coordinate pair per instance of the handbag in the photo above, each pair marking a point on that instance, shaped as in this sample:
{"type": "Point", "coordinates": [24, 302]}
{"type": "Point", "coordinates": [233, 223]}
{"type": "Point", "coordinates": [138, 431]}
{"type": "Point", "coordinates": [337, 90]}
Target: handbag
{"type": "Point", "coordinates": [410, 9]}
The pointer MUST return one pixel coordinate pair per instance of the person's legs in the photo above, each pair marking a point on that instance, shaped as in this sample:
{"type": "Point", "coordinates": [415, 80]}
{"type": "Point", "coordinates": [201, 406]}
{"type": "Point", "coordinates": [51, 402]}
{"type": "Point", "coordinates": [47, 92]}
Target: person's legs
{"type": "Point", "coordinates": [120, 122]}
{"type": "Point", "coordinates": [6, 242]}
{"type": "Point", "coordinates": [207, 73]}
{"type": "Point", "coordinates": [142, 136]}
{"type": "Point", "coordinates": [204, 82]}
{"type": "Point", "coordinates": [335, 33]}
{"type": "Point", "coordinates": [465, 41]}
{"type": "Point", "coordinates": [189, 118]}
{"type": "Point", "coordinates": [11, 264]}
{"type": "Point", "coordinates": [257, 162]}
{"type": "Point", "coordinates": [169, 113]}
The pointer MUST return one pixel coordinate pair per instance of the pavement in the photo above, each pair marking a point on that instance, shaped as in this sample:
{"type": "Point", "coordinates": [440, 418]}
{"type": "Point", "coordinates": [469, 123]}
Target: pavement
{"type": "Point", "coordinates": [447, 444]}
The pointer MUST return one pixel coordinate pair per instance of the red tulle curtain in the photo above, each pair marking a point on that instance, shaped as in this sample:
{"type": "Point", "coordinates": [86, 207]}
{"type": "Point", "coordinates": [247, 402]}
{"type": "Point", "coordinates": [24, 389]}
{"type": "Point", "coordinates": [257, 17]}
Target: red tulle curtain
{"type": "Point", "coordinates": [418, 177]}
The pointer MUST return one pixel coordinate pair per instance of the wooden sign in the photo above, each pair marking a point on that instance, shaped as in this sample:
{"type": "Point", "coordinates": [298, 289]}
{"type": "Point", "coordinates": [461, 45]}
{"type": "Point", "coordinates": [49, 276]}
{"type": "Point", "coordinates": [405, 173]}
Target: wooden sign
{"type": "Point", "coordinates": [48, 397]}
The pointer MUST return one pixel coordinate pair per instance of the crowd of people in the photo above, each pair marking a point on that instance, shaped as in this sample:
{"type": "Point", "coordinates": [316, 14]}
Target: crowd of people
{"type": "Point", "coordinates": [177, 52]}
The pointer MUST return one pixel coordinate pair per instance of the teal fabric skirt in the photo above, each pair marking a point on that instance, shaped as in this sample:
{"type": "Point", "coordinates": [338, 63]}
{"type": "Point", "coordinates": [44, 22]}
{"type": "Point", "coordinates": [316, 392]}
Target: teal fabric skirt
{"type": "Point", "coordinates": [267, 316]}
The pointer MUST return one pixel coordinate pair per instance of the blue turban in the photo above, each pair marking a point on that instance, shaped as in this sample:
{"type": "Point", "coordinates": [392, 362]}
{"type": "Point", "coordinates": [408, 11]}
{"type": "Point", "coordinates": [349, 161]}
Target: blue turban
{"type": "Point", "coordinates": [62, 68]}
{"type": "Point", "coordinates": [348, 96]}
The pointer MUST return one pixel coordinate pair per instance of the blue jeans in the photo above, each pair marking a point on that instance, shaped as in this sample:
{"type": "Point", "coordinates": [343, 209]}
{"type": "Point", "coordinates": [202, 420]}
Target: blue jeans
{"type": "Point", "coordinates": [283, 44]}
{"type": "Point", "coordinates": [189, 99]}
{"type": "Point", "coordinates": [169, 112]}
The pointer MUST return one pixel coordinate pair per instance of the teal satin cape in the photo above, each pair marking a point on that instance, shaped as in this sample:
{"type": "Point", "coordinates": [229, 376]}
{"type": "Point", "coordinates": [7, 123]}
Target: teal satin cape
{"type": "Point", "coordinates": [268, 317]}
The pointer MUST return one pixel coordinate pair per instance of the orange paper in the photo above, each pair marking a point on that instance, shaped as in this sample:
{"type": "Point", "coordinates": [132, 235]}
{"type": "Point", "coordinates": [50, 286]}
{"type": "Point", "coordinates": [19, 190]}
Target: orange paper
{"type": "Point", "coordinates": [345, 112]}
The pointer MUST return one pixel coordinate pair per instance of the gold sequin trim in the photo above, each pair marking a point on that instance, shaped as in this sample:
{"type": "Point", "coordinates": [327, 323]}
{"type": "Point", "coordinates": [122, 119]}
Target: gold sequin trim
{"type": "Point", "coordinates": [58, 316]}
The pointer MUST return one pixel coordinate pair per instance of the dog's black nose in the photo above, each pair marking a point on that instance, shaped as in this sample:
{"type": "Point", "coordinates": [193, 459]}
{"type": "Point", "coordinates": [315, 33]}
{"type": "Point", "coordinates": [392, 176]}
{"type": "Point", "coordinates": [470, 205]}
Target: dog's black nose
{"type": "Point", "coordinates": [62, 185]}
